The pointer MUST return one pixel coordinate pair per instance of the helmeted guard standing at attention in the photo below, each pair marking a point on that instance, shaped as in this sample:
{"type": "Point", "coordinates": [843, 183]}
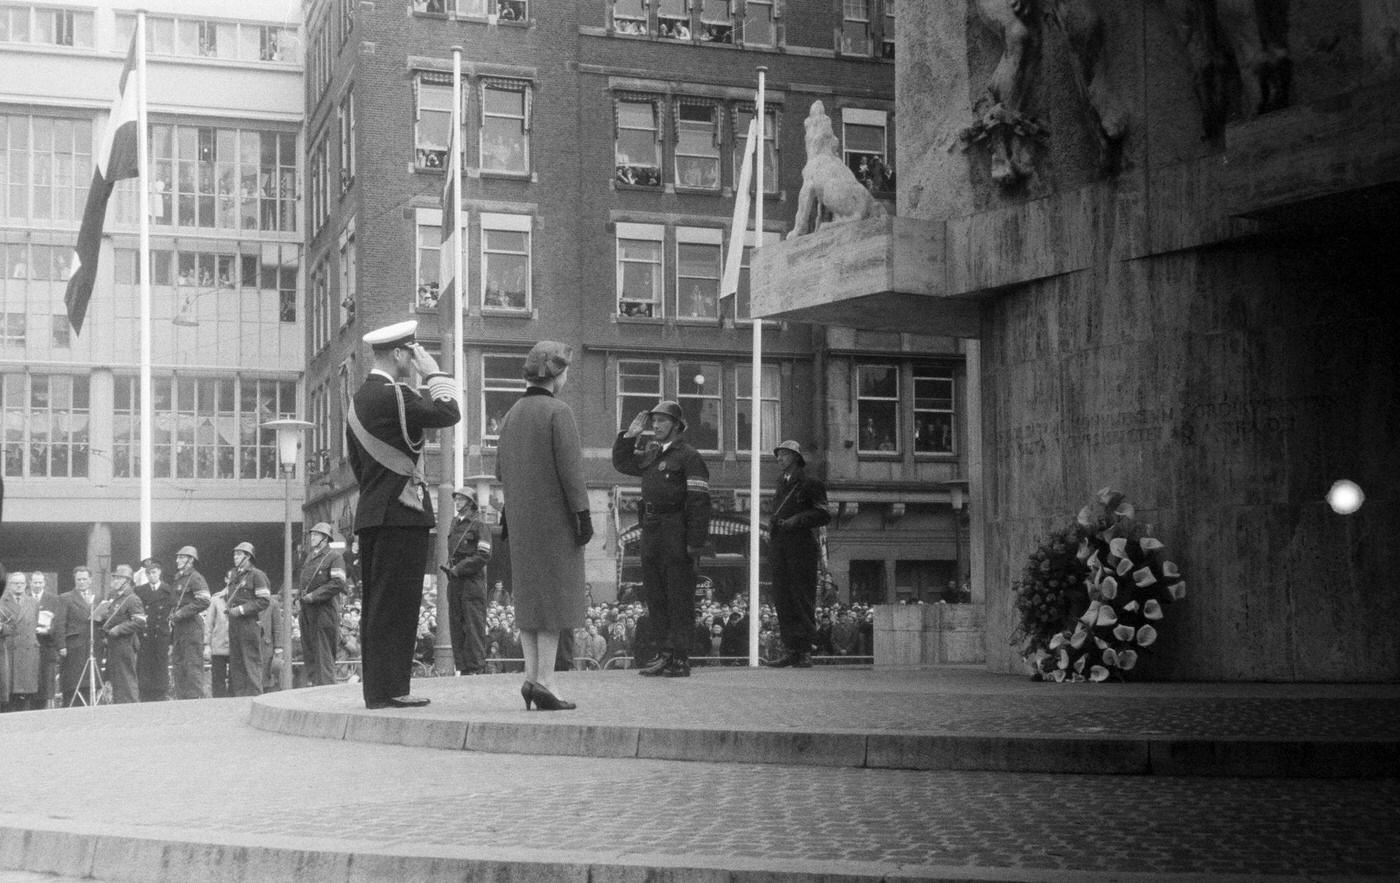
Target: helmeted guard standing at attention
{"type": "Point", "coordinates": [123, 620]}
{"type": "Point", "coordinates": [387, 420]}
{"type": "Point", "coordinates": [249, 594]}
{"type": "Point", "coordinates": [468, 553]}
{"type": "Point", "coordinates": [322, 596]}
{"type": "Point", "coordinates": [799, 508]}
{"type": "Point", "coordinates": [675, 514]}
{"type": "Point", "coordinates": [187, 625]}
{"type": "Point", "coordinates": [153, 660]}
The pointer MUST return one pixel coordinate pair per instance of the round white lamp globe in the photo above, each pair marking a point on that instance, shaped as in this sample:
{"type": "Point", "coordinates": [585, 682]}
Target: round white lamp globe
{"type": "Point", "coordinates": [1345, 497]}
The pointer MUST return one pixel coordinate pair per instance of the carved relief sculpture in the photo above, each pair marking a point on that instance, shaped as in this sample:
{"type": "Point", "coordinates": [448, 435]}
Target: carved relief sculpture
{"type": "Point", "coordinates": [1224, 38]}
{"type": "Point", "coordinates": [1001, 121]}
{"type": "Point", "coordinates": [827, 184]}
{"type": "Point", "coordinates": [1083, 23]}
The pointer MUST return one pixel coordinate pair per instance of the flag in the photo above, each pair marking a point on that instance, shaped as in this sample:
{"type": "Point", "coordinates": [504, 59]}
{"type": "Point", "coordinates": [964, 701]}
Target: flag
{"type": "Point", "coordinates": [116, 159]}
{"type": "Point", "coordinates": [451, 204]}
{"type": "Point", "coordinates": [739, 224]}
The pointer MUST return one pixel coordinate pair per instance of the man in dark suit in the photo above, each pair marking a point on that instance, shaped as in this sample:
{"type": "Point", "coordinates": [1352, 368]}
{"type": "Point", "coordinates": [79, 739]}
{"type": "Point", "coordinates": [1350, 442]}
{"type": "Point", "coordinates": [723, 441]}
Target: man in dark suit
{"type": "Point", "coordinates": [153, 659]}
{"type": "Point", "coordinates": [73, 632]}
{"type": "Point", "coordinates": [387, 420]}
{"type": "Point", "coordinates": [47, 601]}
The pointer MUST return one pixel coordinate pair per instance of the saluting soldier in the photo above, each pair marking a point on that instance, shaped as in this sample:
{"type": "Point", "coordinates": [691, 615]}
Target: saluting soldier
{"type": "Point", "coordinates": [387, 419]}
{"type": "Point", "coordinates": [799, 508]}
{"type": "Point", "coordinates": [123, 619]}
{"type": "Point", "coordinates": [675, 528]}
{"type": "Point", "coordinates": [322, 594]}
{"type": "Point", "coordinates": [187, 625]}
{"type": "Point", "coordinates": [153, 660]}
{"type": "Point", "coordinates": [249, 594]}
{"type": "Point", "coordinates": [468, 553]}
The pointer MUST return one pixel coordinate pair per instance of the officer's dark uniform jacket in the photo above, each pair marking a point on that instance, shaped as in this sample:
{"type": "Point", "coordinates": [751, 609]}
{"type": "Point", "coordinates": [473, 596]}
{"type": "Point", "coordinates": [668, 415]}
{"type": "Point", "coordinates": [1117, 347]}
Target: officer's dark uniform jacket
{"type": "Point", "coordinates": [323, 581]}
{"type": "Point", "coordinates": [249, 593]}
{"type": "Point", "coordinates": [191, 599]}
{"type": "Point", "coordinates": [468, 553]}
{"type": "Point", "coordinates": [676, 480]}
{"type": "Point", "coordinates": [124, 620]}
{"type": "Point", "coordinates": [159, 602]}
{"type": "Point", "coordinates": [378, 409]}
{"type": "Point", "coordinates": [802, 501]}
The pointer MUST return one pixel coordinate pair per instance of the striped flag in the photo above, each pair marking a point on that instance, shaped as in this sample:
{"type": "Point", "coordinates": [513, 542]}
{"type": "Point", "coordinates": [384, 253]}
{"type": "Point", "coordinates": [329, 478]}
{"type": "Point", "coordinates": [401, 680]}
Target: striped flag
{"type": "Point", "coordinates": [451, 204]}
{"type": "Point", "coordinates": [729, 282]}
{"type": "Point", "coordinates": [116, 159]}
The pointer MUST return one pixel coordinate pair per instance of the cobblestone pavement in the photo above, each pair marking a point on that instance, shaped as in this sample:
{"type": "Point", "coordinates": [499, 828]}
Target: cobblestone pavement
{"type": "Point", "coordinates": [949, 700]}
{"type": "Point", "coordinates": [196, 768]}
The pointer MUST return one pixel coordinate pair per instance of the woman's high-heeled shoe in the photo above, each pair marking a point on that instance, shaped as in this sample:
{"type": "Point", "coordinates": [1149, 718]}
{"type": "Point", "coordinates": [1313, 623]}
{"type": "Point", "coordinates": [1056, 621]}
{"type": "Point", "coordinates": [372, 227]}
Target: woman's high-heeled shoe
{"type": "Point", "coordinates": [547, 701]}
{"type": "Point", "coordinates": [527, 692]}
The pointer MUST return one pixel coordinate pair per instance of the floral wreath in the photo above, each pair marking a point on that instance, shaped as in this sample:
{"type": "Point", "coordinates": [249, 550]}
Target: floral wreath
{"type": "Point", "coordinates": [1091, 598]}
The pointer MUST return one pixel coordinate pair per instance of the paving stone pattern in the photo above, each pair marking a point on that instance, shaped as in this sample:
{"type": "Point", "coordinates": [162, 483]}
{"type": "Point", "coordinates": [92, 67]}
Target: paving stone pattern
{"type": "Point", "coordinates": [198, 769]}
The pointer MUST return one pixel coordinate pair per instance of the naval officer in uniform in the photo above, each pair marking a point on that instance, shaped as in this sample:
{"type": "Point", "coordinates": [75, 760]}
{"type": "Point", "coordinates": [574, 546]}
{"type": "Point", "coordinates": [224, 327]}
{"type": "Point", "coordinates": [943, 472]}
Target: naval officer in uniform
{"type": "Point", "coordinates": [387, 420]}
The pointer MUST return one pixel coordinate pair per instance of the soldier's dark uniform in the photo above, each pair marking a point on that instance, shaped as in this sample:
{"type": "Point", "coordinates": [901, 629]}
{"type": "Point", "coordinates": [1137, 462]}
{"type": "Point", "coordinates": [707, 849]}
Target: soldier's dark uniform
{"type": "Point", "coordinates": [187, 634]}
{"type": "Point", "coordinates": [123, 620]}
{"type": "Point", "coordinates": [675, 514]}
{"type": "Point", "coordinates": [793, 556]}
{"type": "Point", "coordinates": [322, 595]}
{"type": "Point", "coordinates": [249, 594]}
{"type": "Point", "coordinates": [153, 659]}
{"type": "Point", "coordinates": [468, 553]}
{"type": "Point", "coordinates": [393, 536]}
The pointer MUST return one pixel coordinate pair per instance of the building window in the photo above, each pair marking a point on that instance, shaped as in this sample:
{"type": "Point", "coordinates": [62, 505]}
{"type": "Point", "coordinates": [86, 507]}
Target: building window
{"type": "Point", "coordinates": [45, 166]}
{"type": "Point", "coordinates": [743, 309]}
{"type": "Point", "coordinates": [502, 382]}
{"type": "Point", "coordinates": [638, 389]}
{"type": "Point", "coordinates": [233, 179]}
{"type": "Point", "coordinates": [432, 7]}
{"type": "Point", "coordinates": [672, 19]}
{"type": "Point", "coordinates": [46, 425]}
{"type": "Point", "coordinates": [505, 261]}
{"type": "Point", "coordinates": [698, 391]}
{"type": "Point", "coordinates": [887, 35]}
{"type": "Point", "coordinates": [770, 410]}
{"type": "Point", "coordinates": [697, 144]}
{"type": "Point", "coordinates": [699, 265]}
{"type": "Point", "coordinates": [433, 121]}
{"type": "Point", "coordinates": [320, 308]}
{"type": "Point", "coordinates": [429, 264]}
{"type": "Point", "coordinates": [348, 277]}
{"type": "Point", "coordinates": [37, 263]}
{"type": "Point", "coordinates": [743, 115]}
{"type": "Point", "coordinates": [61, 333]}
{"type": "Point", "coordinates": [205, 427]}
{"type": "Point", "coordinates": [760, 23]}
{"type": "Point", "coordinates": [865, 148]}
{"type": "Point", "coordinates": [13, 329]}
{"type": "Point", "coordinates": [505, 126]}
{"type": "Point", "coordinates": [346, 117]}
{"type": "Point", "coordinates": [512, 10]}
{"type": "Point", "coordinates": [717, 21]}
{"type": "Point", "coordinates": [639, 269]}
{"type": "Point", "coordinates": [877, 408]}
{"type": "Point", "coordinates": [933, 410]}
{"type": "Point", "coordinates": [638, 148]}
{"type": "Point", "coordinates": [855, 27]}
{"type": "Point", "coordinates": [50, 27]}
{"type": "Point", "coordinates": [630, 17]}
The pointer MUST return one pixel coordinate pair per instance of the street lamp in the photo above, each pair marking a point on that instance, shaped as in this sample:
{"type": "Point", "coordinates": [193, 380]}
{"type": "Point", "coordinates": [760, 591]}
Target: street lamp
{"type": "Point", "coordinates": [288, 444]}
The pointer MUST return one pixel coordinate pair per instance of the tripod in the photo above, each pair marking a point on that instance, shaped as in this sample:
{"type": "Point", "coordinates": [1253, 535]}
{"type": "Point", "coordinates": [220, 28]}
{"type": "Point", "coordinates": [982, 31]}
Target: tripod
{"type": "Point", "coordinates": [90, 669]}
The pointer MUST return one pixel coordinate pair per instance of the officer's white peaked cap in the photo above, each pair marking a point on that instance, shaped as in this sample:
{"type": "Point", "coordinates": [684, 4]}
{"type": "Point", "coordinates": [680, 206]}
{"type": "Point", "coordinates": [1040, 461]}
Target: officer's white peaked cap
{"type": "Point", "coordinates": [390, 336]}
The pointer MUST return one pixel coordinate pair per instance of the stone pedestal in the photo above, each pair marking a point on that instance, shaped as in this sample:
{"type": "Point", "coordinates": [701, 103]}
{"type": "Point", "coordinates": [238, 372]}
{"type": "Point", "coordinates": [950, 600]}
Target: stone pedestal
{"type": "Point", "coordinates": [930, 634]}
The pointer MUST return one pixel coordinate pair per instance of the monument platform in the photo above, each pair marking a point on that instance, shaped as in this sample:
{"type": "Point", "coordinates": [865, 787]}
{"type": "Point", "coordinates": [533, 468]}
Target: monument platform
{"type": "Point", "coordinates": [940, 718]}
{"type": "Point", "coordinates": [182, 791]}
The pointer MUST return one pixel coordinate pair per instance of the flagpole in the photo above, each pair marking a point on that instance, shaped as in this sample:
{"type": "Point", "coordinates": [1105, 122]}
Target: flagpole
{"type": "Point", "coordinates": [459, 373]}
{"type": "Point", "coordinates": [143, 258]}
{"type": "Point", "coordinates": [756, 406]}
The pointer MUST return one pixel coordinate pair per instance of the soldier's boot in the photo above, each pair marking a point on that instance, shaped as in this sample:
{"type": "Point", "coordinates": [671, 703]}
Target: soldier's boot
{"type": "Point", "coordinates": [678, 667]}
{"type": "Point", "coordinates": [656, 666]}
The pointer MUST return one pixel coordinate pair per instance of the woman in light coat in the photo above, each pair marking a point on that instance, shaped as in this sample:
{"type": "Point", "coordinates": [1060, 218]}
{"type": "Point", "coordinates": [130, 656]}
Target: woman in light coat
{"type": "Point", "coordinates": [540, 464]}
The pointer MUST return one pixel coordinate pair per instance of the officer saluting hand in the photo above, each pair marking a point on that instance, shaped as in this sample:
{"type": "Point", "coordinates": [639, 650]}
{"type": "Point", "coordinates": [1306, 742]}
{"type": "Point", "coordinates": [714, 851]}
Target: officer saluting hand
{"type": "Point", "coordinates": [675, 528]}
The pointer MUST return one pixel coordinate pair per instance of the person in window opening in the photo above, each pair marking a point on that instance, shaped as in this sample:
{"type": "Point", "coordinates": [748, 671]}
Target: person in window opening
{"type": "Point", "coordinates": [868, 437]}
{"type": "Point", "coordinates": [507, 12]}
{"type": "Point", "coordinates": [493, 427]}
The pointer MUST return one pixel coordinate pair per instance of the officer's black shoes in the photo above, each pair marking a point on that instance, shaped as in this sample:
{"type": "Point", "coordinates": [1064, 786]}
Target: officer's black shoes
{"type": "Point", "coordinates": [804, 660]}
{"type": "Point", "coordinates": [399, 702]}
{"type": "Point", "coordinates": [787, 660]}
{"type": "Point", "coordinates": [676, 668]}
{"type": "Point", "coordinates": [656, 666]}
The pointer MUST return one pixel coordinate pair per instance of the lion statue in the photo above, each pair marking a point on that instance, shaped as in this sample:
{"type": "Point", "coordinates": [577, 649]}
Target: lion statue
{"type": "Point", "coordinates": [827, 184]}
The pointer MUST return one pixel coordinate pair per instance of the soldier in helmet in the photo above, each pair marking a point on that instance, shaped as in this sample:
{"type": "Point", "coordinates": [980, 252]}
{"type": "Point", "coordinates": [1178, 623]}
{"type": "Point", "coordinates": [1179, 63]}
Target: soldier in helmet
{"type": "Point", "coordinates": [322, 594]}
{"type": "Point", "coordinates": [675, 528]}
{"type": "Point", "coordinates": [123, 619]}
{"type": "Point", "coordinates": [468, 553]}
{"type": "Point", "coordinates": [249, 594]}
{"type": "Point", "coordinates": [187, 625]}
{"type": "Point", "coordinates": [799, 507]}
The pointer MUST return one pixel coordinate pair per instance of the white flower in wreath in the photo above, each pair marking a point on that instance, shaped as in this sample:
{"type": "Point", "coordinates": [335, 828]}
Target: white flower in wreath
{"type": "Point", "coordinates": [1149, 544]}
{"type": "Point", "coordinates": [1127, 659]}
{"type": "Point", "coordinates": [1108, 587]}
{"type": "Point", "coordinates": [1106, 616]}
{"type": "Point", "coordinates": [1143, 577]}
{"type": "Point", "coordinates": [1146, 635]}
{"type": "Point", "coordinates": [1169, 569]}
{"type": "Point", "coordinates": [1178, 590]}
{"type": "Point", "coordinates": [1152, 610]}
{"type": "Point", "coordinates": [1118, 546]}
{"type": "Point", "coordinates": [1124, 632]}
{"type": "Point", "coordinates": [1098, 673]}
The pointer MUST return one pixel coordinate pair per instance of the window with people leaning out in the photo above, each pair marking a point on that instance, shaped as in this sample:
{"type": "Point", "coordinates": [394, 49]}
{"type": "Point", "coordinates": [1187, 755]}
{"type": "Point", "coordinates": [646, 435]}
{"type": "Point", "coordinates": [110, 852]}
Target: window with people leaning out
{"type": "Point", "coordinates": [683, 140]}
{"type": "Point", "coordinates": [753, 23]}
{"type": "Point", "coordinates": [499, 123]}
{"type": "Point", "coordinates": [891, 421]}
{"type": "Point", "coordinates": [502, 10]}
